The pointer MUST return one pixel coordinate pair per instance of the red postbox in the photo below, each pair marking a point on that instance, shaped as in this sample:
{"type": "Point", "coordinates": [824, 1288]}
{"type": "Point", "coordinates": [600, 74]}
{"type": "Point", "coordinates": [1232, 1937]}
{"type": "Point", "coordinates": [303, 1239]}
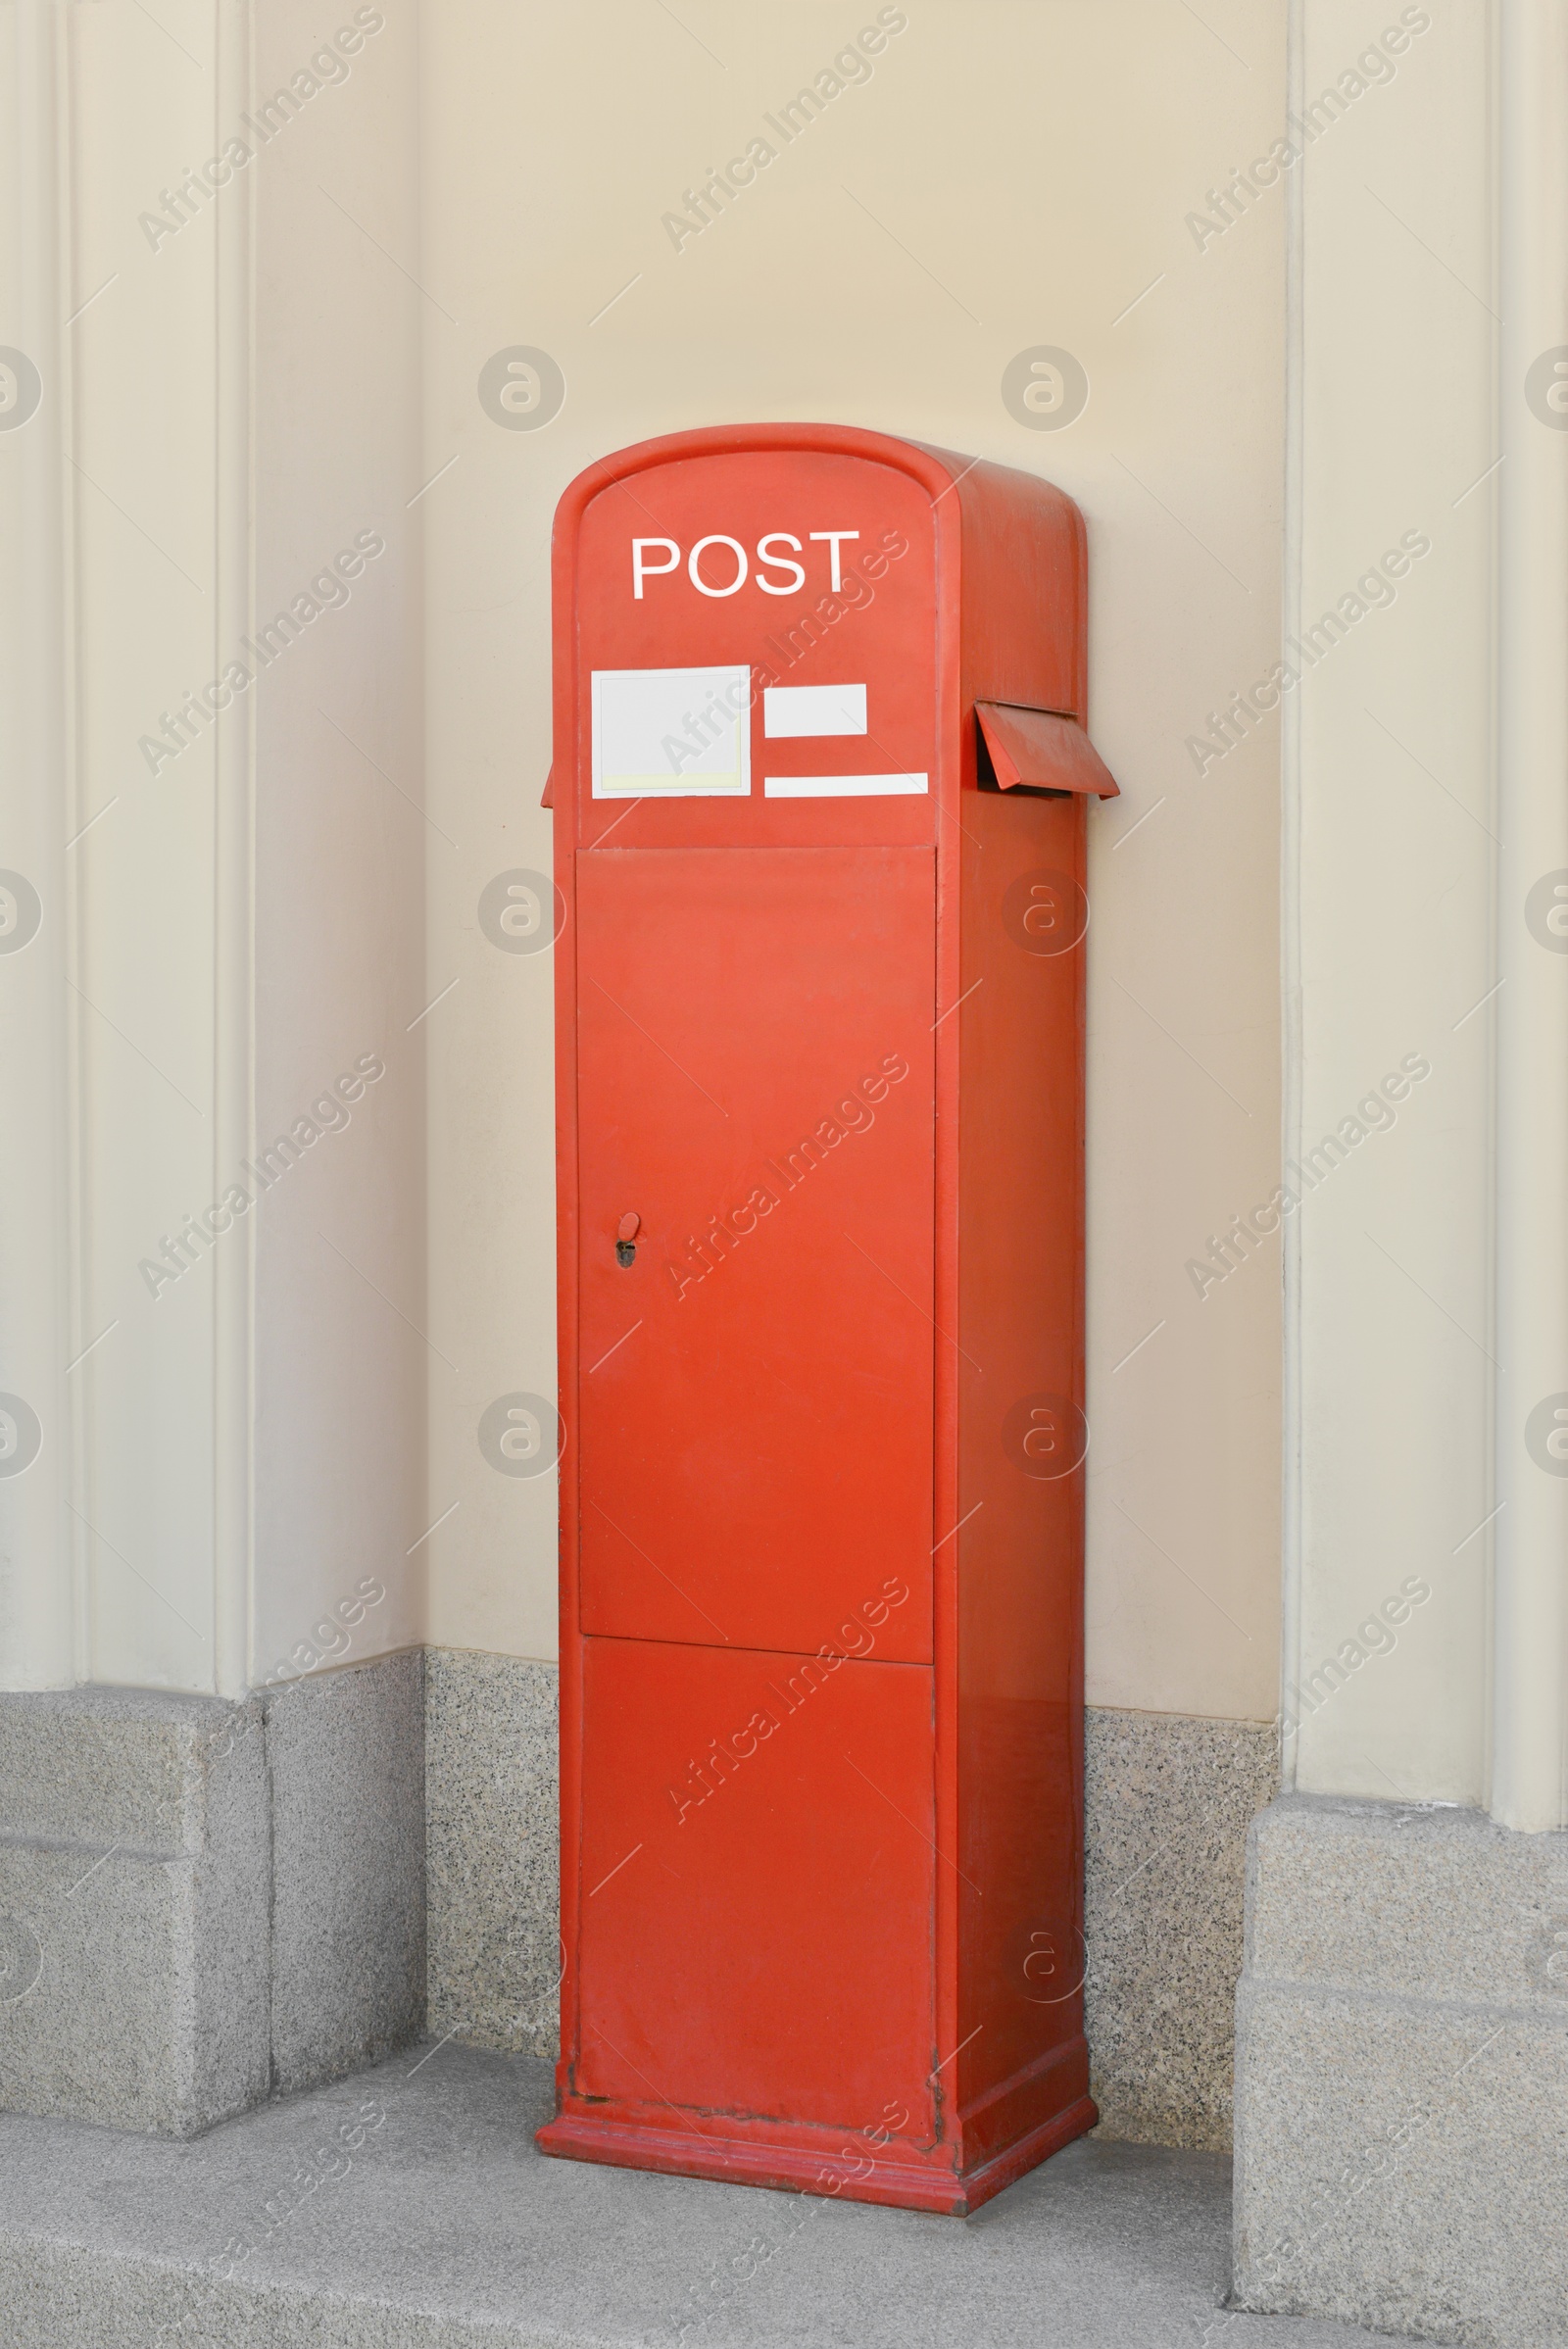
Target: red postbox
{"type": "Point", "coordinates": [819, 785]}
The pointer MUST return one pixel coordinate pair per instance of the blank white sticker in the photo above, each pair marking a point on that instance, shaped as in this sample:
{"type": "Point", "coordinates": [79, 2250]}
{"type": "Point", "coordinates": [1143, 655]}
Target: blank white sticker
{"type": "Point", "coordinates": [842, 787]}
{"type": "Point", "coordinates": [671, 733]}
{"type": "Point", "coordinates": [795, 710]}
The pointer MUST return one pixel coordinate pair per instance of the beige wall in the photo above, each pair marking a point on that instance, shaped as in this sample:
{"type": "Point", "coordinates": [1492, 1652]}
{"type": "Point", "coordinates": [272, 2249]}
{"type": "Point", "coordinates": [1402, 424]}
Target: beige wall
{"type": "Point", "coordinates": [1008, 176]}
{"type": "Point", "coordinates": [240, 401]}
{"type": "Point", "coordinates": [340, 845]}
{"type": "Point", "coordinates": [225, 407]}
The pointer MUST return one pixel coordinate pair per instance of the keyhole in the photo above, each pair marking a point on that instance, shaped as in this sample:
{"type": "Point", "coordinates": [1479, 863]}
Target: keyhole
{"type": "Point", "coordinates": [625, 1250]}
{"type": "Point", "coordinates": [626, 1232]}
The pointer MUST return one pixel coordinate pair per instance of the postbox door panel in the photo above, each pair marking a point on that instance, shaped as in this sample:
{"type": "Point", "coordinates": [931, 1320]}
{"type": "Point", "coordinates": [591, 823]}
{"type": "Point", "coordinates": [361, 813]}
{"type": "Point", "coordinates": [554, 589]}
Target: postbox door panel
{"type": "Point", "coordinates": [757, 1885]}
{"type": "Point", "coordinates": [754, 1437]}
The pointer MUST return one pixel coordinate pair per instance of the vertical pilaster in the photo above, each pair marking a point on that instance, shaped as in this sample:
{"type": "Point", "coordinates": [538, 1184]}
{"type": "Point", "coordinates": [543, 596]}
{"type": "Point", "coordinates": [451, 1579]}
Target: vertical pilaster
{"type": "Point", "coordinates": [233, 973]}
{"type": "Point", "coordinates": [38, 1600]}
{"type": "Point", "coordinates": [1530, 1604]}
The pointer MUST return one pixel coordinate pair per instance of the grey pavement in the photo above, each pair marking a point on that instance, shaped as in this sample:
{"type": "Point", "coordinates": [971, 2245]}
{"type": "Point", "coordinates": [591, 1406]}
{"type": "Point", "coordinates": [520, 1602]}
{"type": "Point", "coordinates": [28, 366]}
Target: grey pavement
{"type": "Point", "coordinates": [432, 2220]}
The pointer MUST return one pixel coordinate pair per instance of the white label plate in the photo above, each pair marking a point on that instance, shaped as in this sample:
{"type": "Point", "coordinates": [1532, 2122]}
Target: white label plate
{"type": "Point", "coordinates": [842, 787]}
{"type": "Point", "coordinates": [799, 709]}
{"type": "Point", "coordinates": [671, 733]}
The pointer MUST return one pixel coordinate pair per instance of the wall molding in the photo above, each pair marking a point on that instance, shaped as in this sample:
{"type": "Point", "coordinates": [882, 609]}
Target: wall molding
{"type": "Point", "coordinates": [1529, 1707]}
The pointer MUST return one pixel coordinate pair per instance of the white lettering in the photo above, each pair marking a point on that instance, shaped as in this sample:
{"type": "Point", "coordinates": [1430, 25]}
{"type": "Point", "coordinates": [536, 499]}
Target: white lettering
{"type": "Point", "coordinates": [779, 562]}
{"type": "Point", "coordinates": [833, 537]}
{"type": "Point", "coordinates": [716, 539]}
{"type": "Point", "coordinates": [651, 570]}
{"type": "Point", "coordinates": [657, 558]}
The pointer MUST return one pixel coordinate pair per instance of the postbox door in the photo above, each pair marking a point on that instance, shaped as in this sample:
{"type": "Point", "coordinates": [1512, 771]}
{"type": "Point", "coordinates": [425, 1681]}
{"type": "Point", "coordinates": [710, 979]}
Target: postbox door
{"type": "Point", "coordinates": [755, 1395]}
{"type": "Point", "coordinates": [755, 1931]}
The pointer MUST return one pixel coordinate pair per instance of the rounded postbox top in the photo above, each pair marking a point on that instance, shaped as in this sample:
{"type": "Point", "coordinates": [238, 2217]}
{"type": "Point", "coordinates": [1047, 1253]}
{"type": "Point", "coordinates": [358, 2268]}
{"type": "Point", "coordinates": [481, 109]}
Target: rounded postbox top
{"type": "Point", "coordinates": [937, 469]}
{"type": "Point", "coordinates": [804, 614]}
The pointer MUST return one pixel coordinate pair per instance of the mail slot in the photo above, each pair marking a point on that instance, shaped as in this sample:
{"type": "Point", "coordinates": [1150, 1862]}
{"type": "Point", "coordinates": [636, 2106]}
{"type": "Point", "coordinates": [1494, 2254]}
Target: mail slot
{"type": "Point", "coordinates": [820, 789]}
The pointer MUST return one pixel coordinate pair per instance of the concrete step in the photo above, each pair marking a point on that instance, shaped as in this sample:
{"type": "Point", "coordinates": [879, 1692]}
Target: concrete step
{"type": "Point", "coordinates": [407, 2208]}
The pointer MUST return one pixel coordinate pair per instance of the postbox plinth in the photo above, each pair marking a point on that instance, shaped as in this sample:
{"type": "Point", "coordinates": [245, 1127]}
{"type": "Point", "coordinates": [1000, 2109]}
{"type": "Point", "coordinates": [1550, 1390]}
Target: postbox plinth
{"type": "Point", "coordinates": [904, 2183]}
{"type": "Point", "coordinates": [819, 791]}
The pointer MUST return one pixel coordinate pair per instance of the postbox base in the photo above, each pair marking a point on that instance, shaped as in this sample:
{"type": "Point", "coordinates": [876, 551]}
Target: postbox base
{"type": "Point", "coordinates": [909, 2182]}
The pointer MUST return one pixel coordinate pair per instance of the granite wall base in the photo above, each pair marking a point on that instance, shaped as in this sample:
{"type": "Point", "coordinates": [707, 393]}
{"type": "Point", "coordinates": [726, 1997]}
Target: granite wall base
{"type": "Point", "coordinates": [494, 1850]}
{"type": "Point", "coordinates": [203, 1902]}
{"type": "Point", "coordinates": [1401, 2111]}
{"type": "Point", "coordinates": [1167, 1803]}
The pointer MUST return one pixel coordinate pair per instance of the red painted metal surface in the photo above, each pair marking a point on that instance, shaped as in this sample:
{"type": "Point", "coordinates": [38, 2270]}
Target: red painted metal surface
{"type": "Point", "coordinates": [819, 991]}
{"type": "Point", "coordinates": [810, 1840]}
{"type": "Point", "coordinates": [768, 1110]}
